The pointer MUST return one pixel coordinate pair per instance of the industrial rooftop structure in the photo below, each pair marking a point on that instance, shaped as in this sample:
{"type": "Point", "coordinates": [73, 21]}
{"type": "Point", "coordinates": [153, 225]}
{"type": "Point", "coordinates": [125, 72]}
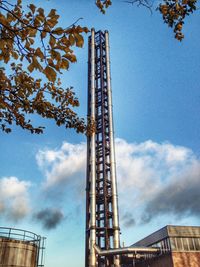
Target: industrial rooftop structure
{"type": "Point", "coordinates": [179, 247]}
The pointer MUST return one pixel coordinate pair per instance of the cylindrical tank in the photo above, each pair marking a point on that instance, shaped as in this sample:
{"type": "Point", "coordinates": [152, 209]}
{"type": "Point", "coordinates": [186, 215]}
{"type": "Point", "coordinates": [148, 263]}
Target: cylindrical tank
{"type": "Point", "coordinates": [19, 248]}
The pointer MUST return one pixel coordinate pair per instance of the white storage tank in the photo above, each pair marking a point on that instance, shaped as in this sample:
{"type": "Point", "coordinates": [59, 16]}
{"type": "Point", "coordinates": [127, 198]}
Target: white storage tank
{"type": "Point", "coordinates": [19, 248]}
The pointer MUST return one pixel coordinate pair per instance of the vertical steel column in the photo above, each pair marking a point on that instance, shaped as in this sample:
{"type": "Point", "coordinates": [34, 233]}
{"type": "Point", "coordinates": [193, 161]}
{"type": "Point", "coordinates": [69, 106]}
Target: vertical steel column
{"type": "Point", "coordinates": [102, 223]}
{"type": "Point", "coordinates": [91, 170]}
{"type": "Point", "coordinates": [92, 259]}
{"type": "Point", "coordinates": [112, 152]}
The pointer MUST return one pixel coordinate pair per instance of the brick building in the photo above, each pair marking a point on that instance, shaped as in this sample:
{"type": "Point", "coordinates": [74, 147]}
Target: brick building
{"type": "Point", "coordinates": [179, 247]}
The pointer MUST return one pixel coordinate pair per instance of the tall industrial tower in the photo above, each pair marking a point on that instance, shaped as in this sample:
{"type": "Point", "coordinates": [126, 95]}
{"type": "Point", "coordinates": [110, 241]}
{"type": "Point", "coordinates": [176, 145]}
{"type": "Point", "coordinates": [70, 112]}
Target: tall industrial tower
{"type": "Point", "coordinates": [102, 221]}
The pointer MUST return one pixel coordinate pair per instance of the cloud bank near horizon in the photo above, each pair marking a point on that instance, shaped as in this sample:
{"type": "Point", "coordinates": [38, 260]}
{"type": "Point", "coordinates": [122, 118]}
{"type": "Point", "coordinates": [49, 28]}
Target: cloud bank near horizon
{"type": "Point", "coordinates": [153, 180]}
{"type": "Point", "coordinates": [156, 179]}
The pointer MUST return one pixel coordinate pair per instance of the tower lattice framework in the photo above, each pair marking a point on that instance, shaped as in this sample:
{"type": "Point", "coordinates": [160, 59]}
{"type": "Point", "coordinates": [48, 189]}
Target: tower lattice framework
{"type": "Point", "coordinates": [102, 221]}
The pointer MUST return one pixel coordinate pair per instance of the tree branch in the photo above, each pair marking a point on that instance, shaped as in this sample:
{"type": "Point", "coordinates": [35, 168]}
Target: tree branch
{"type": "Point", "coordinates": [144, 3]}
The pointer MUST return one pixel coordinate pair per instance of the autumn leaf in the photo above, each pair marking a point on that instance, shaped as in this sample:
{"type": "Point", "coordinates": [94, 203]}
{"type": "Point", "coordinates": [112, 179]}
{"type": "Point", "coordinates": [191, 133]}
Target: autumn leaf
{"type": "Point", "coordinates": [71, 39]}
{"type": "Point", "coordinates": [70, 57]}
{"type": "Point", "coordinates": [15, 55]}
{"type": "Point", "coordinates": [32, 8]}
{"type": "Point", "coordinates": [79, 40]}
{"type": "Point", "coordinates": [50, 74]}
{"type": "Point", "coordinates": [39, 53]}
{"type": "Point", "coordinates": [33, 38]}
{"type": "Point", "coordinates": [64, 64]}
{"type": "Point", "coordinates": [52, 41]}
{"type": "Point", "coordinates": [52, 13]}
{"type": "Point", "coordinates": [58, 31]}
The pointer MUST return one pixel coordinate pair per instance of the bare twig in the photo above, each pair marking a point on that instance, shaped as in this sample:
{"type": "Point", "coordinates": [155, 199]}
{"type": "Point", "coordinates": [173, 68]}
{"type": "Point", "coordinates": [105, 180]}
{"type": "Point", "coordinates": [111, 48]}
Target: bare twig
{"type": "Point", "coordinates": [144, 3]}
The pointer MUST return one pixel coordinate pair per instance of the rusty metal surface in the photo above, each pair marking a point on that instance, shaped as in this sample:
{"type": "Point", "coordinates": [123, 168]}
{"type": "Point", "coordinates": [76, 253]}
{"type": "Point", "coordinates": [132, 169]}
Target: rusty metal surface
{"type": "Point", "coordinates": [17, 253]}
{"type": "Point", "coordinates": [19, 248]}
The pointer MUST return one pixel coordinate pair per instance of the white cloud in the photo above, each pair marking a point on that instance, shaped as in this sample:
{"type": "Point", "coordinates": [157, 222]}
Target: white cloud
{"type": "Point", "coordinates": [148, 166]}
{"type": "Point", "coordinates": [156, 178]}
{"type": "Point", "coordinates": [14, 199]}
{"type": "Point", "coordinates": [63, 165]}
{"type": "Point", "coordinates": [145, 172]}
{"type": "Point", "coordinates": [179, 197]}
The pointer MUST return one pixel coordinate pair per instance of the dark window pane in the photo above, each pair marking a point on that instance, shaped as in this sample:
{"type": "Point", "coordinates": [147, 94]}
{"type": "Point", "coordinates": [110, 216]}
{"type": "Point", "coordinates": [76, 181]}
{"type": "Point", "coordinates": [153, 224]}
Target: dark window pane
{"type": "Point", "coordinates": [197, 243]}
{"type": "Point", "coordinates": [179, 244]}
{"type": "Point", "coordinates": [185, 244]}
{"type": "Point", "coordinates": [191, 244]}
{"type": "Point", "coordinates": [168, 243]}
{"type": "Point", "coordinates": [172, 243]}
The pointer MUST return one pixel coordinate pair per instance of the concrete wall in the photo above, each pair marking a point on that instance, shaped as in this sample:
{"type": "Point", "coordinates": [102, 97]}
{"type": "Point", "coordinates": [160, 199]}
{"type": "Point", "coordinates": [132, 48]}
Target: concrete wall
{"type": "Point", "coordinates": [186, 259]}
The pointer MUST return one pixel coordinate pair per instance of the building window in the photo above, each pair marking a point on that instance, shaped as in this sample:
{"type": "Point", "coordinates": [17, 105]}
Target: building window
{"type": "Point", "coordinates": [185, 244]}
{"type": "Point", "coordinates": [173, 243]}
{"type": "Point", "coordinates": [197, 243]}
{"type": "Point", "coordinates": [179, 243]}
{"type": "Point", "coordinates": [191, 244]}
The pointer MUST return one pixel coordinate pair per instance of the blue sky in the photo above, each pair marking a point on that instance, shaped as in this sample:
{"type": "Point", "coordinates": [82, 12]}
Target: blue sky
{"type": "Point", "coordinates": [156, 98]}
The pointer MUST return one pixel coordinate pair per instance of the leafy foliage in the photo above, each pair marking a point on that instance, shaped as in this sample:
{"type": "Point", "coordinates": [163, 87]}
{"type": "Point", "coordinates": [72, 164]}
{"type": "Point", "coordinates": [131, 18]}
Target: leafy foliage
{"type": "Point", "coordinates": [21, 94]}
{"type": "Point", "coordinates": [102, 5]}
{"type": "Point", "coordinates": [174, 13]}
{"type": "Point", "coordinates": [35, 38]}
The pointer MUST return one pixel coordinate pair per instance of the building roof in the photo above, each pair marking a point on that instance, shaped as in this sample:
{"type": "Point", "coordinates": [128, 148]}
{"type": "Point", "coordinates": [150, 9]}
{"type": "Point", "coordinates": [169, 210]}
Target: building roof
{"type": "Point", "coordinates": [169, 231]}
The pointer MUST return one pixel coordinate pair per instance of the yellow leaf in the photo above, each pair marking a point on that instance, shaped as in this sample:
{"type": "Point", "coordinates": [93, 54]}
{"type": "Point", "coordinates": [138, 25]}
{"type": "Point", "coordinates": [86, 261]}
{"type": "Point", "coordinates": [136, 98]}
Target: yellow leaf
{"type": "Point", "coordinates": [52, 22]}
{"type": "Point", "coordinates": [52, 41]}
{"type": "Point", "coordinates": [43, 34]}
{"type": "Point", "coordinates": [31, 40]}
{"type": "Point", "coordinates": [3, 19]}
{"type": "Point", "coordinates": [55, 55]}
{"type": "Point", "coordinates": [50, 74]}
{"type": "Point", "coordinates": [71, 57]}
{"type": "Point", "coordinates": [32, 8]}
{"type": "Point", "coordinates": [6, 57]}
{"type": "Point", "coordinates": [27, 45]}
{"type": "Point", "coordinates": [39, 53]}
{"type": "Point", "coordinates": [71, 39]}
{"type": "Point", "coordinates": [37, 64]}
{"type": "Point", "coordinates": [58, 31]}
{"type": "Point", "coordinates": [52, 13]}
{"type": "Point", "coordinates": [85, 29]}
{"type": "Point", "coordinates": [31, 67]}
{"type": "Point", "coordinates": [79, 40]}
{"type": "Point", "coordinates": [32, 32]}
{"type": "Point", "coordinates": [64, 64]}
{"type": "Point", "coordinates": [15, 55]}
{"type": "Point", "coordinates": [9, 17]}
{"type": "Point", "coordinates": [40, 18]}
{"type": "Point", "coordinates": [41, 11]}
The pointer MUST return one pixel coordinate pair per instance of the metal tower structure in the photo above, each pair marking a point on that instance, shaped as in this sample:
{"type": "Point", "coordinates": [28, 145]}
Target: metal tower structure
{"type": "Point", "coordinates": [102, 221]}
